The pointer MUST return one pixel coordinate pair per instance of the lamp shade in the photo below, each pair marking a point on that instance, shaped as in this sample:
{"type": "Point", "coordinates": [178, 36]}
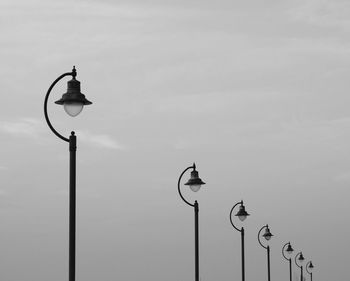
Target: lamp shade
{"type": "Point", "coordinates": [194, 182]}
{"type": "Point", "coordinates": [310, 267]}
{"type": "Point", "coordinates": [267, 235]}
{"type": "Point", "coordinates": [73, 100]}
{"type": "Point", "coordinates": [242, 214]}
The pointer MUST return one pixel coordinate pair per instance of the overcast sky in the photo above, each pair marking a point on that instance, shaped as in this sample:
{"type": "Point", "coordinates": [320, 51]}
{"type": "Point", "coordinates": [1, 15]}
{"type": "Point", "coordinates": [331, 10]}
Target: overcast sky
{"type": "Point", "coordinates": [255, 92]}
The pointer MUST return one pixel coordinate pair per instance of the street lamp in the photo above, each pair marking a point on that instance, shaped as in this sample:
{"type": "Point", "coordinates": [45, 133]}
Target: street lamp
{"type": "Point", "coordinates": [299, 256]}
{"type": "Point", "coordinates": [287, 253]}
{"type": "Point", "coordinates": [267, 235]}
{"type": "Point", "coordinates": [195, 184]}
{"type": "Point", "coordinates": [242, 215]}
{"type": "Point", "coordinates": [309, 268]}
{"type": "Point", "coordinates": [73, 102]}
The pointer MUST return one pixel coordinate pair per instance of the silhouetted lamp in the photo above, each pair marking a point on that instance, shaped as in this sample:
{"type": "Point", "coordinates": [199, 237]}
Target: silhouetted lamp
{"type": "Point", "coordinates": [242, 215]}
{"type": "Point", "coordinates": [309, 269]}
{"type": "Point", "coordinates": [73, 100]}
{"type": "Point", "coordinates": [194, 182]}
{"type": "Point", "coordinates": [267, 235]}
{"type": "Point", "coordinates": [299, 261]}
{"type": "Point", "coordinates": [287, 252]}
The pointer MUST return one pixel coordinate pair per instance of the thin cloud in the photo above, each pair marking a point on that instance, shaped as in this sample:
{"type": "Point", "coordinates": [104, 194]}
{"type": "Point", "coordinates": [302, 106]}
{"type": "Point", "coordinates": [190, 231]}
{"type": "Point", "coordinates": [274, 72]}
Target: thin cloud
{"type": "Point", "coordinates": [25, 127]}
{"type": "Point", "coordinates": [34, 128]}
{"type": "Point", "coordinates": [181, 144]}
{"type": "Point", "coordinates": [343, 177]}
{"type": "Point", "coordinates": [323, 13]}
{"type": "Point", "coordinates": [103, 141]}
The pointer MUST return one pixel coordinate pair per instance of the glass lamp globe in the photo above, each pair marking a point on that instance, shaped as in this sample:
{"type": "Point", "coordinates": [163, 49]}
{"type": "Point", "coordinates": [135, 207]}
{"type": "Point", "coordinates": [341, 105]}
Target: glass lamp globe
{"type": "Point", "coordinates": [195, 187]}
{"type": "Point", "coordinates": [267, 237]}
{"type": "Point", "coordinates": [73, 108]}
{"type": "Point", "coordinates": [242, 218]}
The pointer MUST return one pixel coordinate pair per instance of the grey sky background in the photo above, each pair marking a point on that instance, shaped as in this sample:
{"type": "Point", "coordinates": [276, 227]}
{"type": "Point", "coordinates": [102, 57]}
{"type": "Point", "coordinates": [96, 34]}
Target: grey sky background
{"type": "Point", "coordinates": [255, 92]}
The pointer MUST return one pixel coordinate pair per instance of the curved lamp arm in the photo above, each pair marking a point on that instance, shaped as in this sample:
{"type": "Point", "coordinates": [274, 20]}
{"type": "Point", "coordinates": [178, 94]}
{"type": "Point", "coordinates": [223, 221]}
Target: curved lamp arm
{"type": "Point", "coordinates": [73, 73]}
{"type": "Point", "coordinates": [240, 230]}
{"type": "Point", "coordinates": [284, 246]}
{"type": "Point", "coordinates": [295, 259]}
{"type": "Point", "coordinates": [178, 184]}
{"type": "Point", "coordinates": [265, 247]}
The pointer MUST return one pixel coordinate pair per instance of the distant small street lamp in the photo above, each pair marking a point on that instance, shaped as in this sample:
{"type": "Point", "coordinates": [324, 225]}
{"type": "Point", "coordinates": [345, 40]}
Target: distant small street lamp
{"type": "Point", "coordinates": [309, 268]}
{"type": "Point", "coordinates": [73, 102]}
{"type": "Point", "coordinates": [195, 184]}
{"type": "Point", "coordinates": [287, 252]}
{"type": "Point", "coordinates": [299, 261]}
{"type": "Point", "coordinates": [242, 215]}
{"type": "Point", "coordinates": [267, 235]}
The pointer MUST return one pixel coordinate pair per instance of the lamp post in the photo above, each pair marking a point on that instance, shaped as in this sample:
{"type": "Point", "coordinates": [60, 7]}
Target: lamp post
{"type": "Point", "coordinates": [195, 184]}
{"type": "Point", "coordinates": [289, 250]}
{"type": "Point", "coordinates": [299, 256]}
{"type": "Point", "coordinates": [267, 235]}
{"type": "Point", "coordinates": [242, 215]}
{"type": "Point", "coordinates": [73, 102]}
{"type": "Point", "coordinates": [309, 268]}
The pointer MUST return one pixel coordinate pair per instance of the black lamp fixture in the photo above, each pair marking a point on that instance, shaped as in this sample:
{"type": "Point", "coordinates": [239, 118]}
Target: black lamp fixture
{"type": "Point", "coordinates": [242, 215]}
{"type": "Point", "coordinates": [195, 184]}
{"type": "Point", "coordinates": [73, 102]}
{"type": "Point", "coordinates": [299, 261]}
{"type": "Point", "coordinates": [309, 268]}
{"type": "Point", "coordinates": [287, 252]}
{"type": "Point", "coordinates": [289, 249]}
{"type": "Point", "coordinates": [194, 181]}
{"type": "Point", "coordinates": [267, 235]}
{"type": "Point", "coordinates": [301, 258]}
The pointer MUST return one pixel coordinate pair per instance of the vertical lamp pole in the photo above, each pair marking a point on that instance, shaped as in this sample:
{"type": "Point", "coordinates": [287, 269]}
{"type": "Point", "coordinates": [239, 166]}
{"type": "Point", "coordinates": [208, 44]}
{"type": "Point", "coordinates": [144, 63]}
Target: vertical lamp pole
{"type": "Point", "coordinates": [242, 215]}
{"type": "Point", "coordinates": [289, 250]}
{"type": "Point", "coordinates": [309, 268]}
{"type": "Point", "coordinates": [73, 102]}
{"type": "Point", "coordinates": [195, 184]}
{"type": "Point", "coordinates": [267, 235]}
{"type": "Point", "coordinates": [299, 256]}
